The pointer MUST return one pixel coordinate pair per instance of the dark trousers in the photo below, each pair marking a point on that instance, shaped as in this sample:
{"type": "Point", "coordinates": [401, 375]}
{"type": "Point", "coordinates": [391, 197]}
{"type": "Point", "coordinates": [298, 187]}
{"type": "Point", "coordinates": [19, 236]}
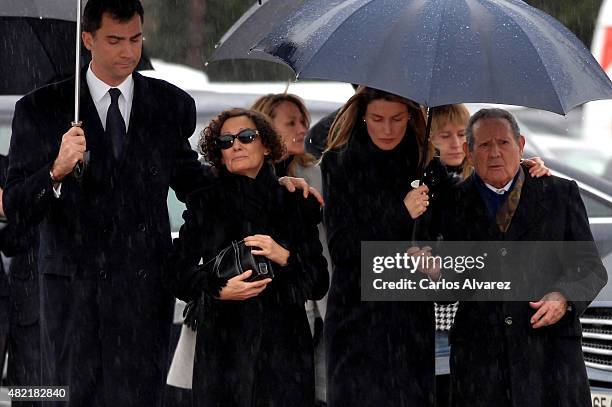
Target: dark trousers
{"type": "Point", "coordinates": [99, 339]}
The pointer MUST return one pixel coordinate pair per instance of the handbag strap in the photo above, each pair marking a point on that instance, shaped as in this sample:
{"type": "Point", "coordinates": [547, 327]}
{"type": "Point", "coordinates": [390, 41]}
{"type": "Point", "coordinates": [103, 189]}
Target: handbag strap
{"type": "Point", "coordinates": [218, 259]}
{"type": "Point", "coordinates": [237, 256]}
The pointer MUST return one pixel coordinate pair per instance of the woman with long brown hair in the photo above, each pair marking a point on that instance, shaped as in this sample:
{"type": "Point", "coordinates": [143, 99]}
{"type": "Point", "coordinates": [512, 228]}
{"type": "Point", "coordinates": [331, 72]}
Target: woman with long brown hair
{"type": "Point", "coordinates": [379, 353]}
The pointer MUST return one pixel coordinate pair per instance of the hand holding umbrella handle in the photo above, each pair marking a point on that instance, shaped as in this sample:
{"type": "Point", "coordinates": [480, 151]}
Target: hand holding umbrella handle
{"type": "Point", "coordinates": [423, 221]}
{"type": "Point", "coordinates": [81, 165]}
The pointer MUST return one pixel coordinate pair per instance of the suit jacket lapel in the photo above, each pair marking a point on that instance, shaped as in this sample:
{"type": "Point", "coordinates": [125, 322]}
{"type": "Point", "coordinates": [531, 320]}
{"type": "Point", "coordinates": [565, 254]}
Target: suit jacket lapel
{"type": "Point", "coordinates": [100, 164]}
{"type": "Point", "coordinates": [88, 114]}
{"type": "Point", "coordinates": [138, 114]}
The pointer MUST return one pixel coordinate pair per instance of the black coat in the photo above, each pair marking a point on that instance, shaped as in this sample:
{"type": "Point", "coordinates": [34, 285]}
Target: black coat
{"type": "Point", "coordinates": [316, 138]}
{"type": "Point", "coordinates": [379, 353]}
{"type": "Point", "coordinates": [20, 301]}
{"type": "Point", "coordinates": [497, 359]}
{"type": "Point", "coordinates": [106, 313]}
{"type": "Point", "coordinates": [256, 352]}
{"type": "Point", "coordinates": [4, 292]}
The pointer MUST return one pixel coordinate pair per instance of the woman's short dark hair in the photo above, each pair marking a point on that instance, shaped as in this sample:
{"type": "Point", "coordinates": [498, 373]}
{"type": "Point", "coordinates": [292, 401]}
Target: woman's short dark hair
{"type": "Point", "coordinates": [269, 138]}
{"type": "Point", "coordinates": [121, 10]}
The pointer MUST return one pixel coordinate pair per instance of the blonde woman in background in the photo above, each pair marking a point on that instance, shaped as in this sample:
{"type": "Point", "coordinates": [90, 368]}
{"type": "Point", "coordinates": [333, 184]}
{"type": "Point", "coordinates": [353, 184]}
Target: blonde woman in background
{"type": "Point", "coordinates": [448, 135]}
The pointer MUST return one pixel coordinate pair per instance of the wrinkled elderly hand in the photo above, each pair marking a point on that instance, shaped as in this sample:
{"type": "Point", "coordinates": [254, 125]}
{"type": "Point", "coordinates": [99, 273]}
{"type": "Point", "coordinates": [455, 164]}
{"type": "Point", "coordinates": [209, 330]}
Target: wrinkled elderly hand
{"type": "Point", "coordinates": [292, 184]}
{"type": "Point", "coordinates": [417, 201]}
{"type": "Point", "coordinates": [536, 167]}
{"type": "Point", "coordinates": [266, 246]}
{"type": "Point", "coordinates": [550, 309]}
{"type": "Point", "coordinates": [237, 289]}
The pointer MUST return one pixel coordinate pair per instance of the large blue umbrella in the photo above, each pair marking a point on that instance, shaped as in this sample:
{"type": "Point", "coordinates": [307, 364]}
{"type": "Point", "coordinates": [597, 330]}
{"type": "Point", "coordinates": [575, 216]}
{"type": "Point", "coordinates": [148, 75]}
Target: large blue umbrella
{"type": "Point", "coordinates": [438, 52]}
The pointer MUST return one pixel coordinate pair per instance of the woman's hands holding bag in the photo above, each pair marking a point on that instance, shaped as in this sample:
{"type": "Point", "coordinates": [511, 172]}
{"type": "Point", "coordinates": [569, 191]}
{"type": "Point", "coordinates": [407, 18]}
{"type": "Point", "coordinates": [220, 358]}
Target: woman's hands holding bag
{"type": "Point", "coordinates": [237, 289]}
{"type": "Point", "coordinates": [267, 247]}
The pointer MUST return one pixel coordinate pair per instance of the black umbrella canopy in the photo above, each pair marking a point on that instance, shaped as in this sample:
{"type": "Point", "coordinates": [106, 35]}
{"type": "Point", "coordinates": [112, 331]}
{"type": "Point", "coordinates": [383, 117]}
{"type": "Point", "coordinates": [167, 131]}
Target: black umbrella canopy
{"type": "Point", "coordinates": [438, 52]}
{"type": "Point", "coordinates": [40, 51]}
{"type": "Point", "coordinates": [55, 9]}
{"type": "Point", "coordinates": [37, 41]}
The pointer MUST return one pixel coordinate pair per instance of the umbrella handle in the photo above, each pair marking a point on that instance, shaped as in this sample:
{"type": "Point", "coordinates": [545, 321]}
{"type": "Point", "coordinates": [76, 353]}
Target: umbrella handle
{"type": "Point", "coordinates": [81, 165]}
{"type": "Point", "coordinates": [420, 222]}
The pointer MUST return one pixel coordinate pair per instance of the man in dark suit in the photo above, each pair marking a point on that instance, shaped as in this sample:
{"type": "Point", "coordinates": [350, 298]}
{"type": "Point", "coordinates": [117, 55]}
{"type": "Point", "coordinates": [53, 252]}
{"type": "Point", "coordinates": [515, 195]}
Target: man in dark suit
{"type": "Point", "coordinates": [519, 353]}
{"type": "Point", "coordinates": [105, 313]}
{"type": "Point", "coordinates": [19, 295]}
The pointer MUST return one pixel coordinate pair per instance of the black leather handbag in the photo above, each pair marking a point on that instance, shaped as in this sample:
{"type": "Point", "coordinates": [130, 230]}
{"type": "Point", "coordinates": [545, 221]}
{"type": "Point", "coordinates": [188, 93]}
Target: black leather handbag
{"type": "Point", "coordinates": [237, 258]}
{"type": "Point", "coordinates": [230, 262]}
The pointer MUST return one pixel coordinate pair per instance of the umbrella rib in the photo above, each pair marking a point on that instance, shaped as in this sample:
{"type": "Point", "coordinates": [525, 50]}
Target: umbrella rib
{"type": "Point", "coordinates": [330, 35]}
{"type": "Point", "coordinates": [383, 48]}
{"type": "Point", "coordinates": [548, 78]}
{"type": "Point", "coordinates": [437, 49]}
{"type": "Point", "coordinates": [36, 33]}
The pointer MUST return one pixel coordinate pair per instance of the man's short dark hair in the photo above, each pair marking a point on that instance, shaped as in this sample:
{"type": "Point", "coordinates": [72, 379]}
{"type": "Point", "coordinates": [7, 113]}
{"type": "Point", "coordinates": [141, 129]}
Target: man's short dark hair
{"type": "Point", "coordinates": [494, 113]}
{"type": "Point", "coordinates": [120, 10]}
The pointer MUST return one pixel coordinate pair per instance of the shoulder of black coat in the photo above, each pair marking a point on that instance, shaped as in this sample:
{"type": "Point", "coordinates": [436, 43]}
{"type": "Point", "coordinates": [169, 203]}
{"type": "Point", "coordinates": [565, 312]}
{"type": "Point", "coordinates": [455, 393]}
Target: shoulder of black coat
{"type": "Point", "coordinates": [160, 87]}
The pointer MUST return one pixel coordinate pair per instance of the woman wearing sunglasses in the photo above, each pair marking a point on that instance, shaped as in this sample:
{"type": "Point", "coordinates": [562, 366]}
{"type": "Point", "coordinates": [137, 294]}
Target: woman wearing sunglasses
{"type": "Point", "coordinates": [253, 345]}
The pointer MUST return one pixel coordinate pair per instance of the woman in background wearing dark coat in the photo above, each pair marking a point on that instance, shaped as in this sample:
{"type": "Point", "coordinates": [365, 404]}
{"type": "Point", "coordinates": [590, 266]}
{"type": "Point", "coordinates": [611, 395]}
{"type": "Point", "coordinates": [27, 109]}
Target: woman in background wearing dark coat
{"type": "Point", "coordinates": [253, 344]}
{"type": "Point", "coordinates": [379, 353]}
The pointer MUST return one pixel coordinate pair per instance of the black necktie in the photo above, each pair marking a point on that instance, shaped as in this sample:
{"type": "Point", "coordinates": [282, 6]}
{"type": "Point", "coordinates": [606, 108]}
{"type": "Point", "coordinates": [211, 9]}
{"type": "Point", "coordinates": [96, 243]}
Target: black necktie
{"type": "Point", "coordinates": [115, 126]}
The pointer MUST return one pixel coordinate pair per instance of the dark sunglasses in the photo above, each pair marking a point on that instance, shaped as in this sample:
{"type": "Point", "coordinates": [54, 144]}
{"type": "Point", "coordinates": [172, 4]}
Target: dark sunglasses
{"type": "Point", "coordinates": [245, 136]}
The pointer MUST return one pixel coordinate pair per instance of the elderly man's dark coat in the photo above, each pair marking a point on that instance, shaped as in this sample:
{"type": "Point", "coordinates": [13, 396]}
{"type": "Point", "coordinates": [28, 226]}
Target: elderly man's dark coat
{"type": "Point", "coordinates": [105, 312]}
{"type": "Point", "coordinates": [497, 359]}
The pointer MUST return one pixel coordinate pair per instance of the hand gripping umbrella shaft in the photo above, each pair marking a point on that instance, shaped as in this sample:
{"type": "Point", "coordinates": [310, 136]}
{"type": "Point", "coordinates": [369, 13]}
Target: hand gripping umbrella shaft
{"type": "Point", "coordinates": [416, 229]}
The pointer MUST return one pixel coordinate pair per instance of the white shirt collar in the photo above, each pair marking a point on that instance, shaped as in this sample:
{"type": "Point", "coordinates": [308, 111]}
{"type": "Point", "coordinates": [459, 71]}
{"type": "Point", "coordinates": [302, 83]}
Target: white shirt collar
{"type": "Point", "coordinates": [98, 88]}
{"type": "Point", "coordinates": [505, 188]}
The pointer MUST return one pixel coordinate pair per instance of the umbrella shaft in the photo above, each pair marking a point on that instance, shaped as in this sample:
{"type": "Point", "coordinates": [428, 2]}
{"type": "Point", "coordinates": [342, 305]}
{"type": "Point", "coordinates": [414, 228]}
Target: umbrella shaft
{"type": "Point", "coordinates": [77, 63]}
{"type": "Point", "coordinates": [425, 155]}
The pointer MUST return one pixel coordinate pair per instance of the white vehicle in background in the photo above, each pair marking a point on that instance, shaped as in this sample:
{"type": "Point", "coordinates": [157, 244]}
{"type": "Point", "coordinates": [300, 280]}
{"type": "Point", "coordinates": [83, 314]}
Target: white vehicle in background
{"type": "Point", "coordinates": [191, 80]}
{"type": "Point", "coordinates": [597, 119]}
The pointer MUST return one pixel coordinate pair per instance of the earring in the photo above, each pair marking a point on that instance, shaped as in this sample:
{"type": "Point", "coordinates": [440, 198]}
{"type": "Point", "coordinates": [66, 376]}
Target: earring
{"type": "Point", "coordinates": [294, 140]}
